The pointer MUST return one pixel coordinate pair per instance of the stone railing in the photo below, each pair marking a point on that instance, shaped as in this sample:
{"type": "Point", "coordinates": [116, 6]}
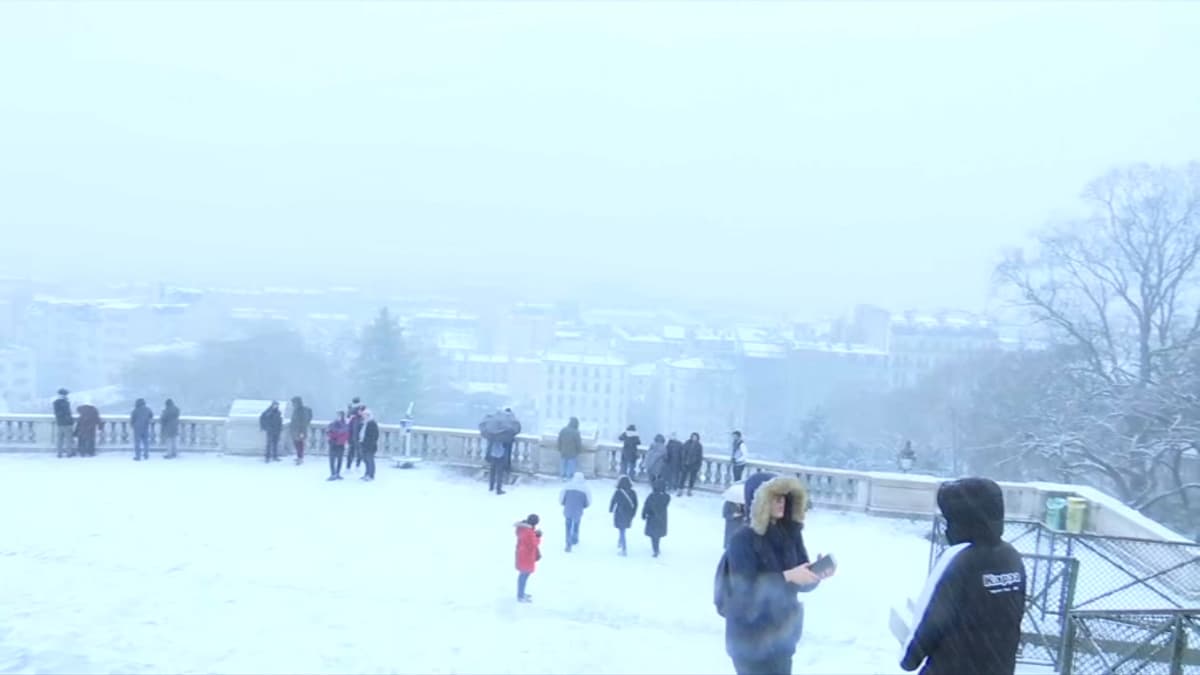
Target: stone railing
{"type": "Point", "coordinates": [895, 494]}
{"type": "Point", "coordinates": [33, 433]}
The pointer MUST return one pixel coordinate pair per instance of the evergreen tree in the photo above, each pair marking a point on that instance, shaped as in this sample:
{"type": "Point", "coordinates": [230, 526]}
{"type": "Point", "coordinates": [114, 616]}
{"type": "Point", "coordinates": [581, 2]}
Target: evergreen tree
{"type": "Point", "coordinates": [386, 373]}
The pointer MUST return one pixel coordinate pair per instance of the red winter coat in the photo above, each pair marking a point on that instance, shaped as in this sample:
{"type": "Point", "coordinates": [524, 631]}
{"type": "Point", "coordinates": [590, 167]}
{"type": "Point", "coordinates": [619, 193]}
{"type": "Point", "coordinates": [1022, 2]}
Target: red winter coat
{"type": "Point", "coordinates": [528, 539]}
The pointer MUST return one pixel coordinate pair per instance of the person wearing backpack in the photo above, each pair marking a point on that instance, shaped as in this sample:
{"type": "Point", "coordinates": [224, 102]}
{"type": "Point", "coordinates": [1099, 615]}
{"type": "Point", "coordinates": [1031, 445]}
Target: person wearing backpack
{"type": "Point", "coordinates": [623, 506]}
{"type": "Point", "coordinates": [654, 512]}
{"type": "Point", "coordinates": [757, 581]}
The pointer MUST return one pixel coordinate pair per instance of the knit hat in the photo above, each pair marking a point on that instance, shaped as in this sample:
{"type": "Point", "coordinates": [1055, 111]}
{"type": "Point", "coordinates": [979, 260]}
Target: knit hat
{"type": "Point", "coordinates": [533, 519]}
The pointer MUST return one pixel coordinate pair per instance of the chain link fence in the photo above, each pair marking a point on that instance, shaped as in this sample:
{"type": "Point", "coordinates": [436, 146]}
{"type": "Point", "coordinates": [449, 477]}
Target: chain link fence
{"type": "Point", "coordinates": [1131, 642]}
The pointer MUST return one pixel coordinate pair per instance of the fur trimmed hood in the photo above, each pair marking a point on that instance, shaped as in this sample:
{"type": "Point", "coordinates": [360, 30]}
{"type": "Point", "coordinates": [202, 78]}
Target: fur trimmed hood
{"type": "Point", "coordinates": [761, 488]}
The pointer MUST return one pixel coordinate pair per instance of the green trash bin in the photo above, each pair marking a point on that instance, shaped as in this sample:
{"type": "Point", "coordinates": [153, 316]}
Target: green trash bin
{"type": "Point", "coordinates": [1056, 513]}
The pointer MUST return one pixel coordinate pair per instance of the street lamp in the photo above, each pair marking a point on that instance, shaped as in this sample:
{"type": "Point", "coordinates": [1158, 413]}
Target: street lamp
{"type": "Point", "coordinates": [907, 457]}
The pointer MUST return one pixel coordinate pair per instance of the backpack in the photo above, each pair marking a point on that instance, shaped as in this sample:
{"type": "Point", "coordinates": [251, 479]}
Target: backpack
{"type": "Point", "coordinates": [721, 585]}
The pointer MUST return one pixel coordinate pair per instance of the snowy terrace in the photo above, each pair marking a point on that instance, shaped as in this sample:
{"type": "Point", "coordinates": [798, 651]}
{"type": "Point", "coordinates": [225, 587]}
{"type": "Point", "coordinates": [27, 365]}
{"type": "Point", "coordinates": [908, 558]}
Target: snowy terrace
{"type": "Point", "coordinates": [224, 564]}
{"type": "Point", "coordinates": [218, 563]}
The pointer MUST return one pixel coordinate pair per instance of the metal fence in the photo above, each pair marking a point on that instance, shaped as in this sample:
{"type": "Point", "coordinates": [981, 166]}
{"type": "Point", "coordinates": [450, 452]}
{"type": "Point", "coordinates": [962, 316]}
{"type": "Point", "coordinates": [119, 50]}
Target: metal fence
{"type": "Point", "coordinates": [1141, 642]}
{"type": "Point", "coordinates": [1115, 573]}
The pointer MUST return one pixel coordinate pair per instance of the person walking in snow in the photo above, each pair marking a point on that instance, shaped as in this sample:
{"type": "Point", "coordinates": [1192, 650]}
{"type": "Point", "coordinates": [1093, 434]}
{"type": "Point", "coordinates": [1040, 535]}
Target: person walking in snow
{"type": "Point", "coordinates": [271, 422]}
{"type": "Point", "coordinates": [64, 425]}
{"type": "Point", "coordinates": [368, 445]}
{"type": "Point", "coordinates": [87, 425]}
{"type": "Point", "coordinates": [738, 456]}
{"type": "Point", "coordinates": [623, 506]}
{"type": "Point", "coordinates": [656, 459]}
{"type": "Point", "coordinates": [654, 512]}
{"type": "Point", "coordinates": [355, 421]}
{"type": "Point", "coordinates": [630, 442]}
{"type": "Point", "coordinates": [298, 426]}
{"type": "Point", "coordinates": [693, 460]}
{"type": "Point", "coordinates": [529, 540]}
{"type": "Point", "coordinates": [673, 467]}
{"type": "Point", "coordinates": [140, 420]}
{"type": "Point", "coordinates": [762, 571]}
{"type": "Point", "coordinates": [574, 497]}
{"type": "Point", "coordinates": [168, 429]}
{"type": "Point", "coordinates": [570, 444]}
{"type": "Point", "coordinates": [338, 434]}
{"type": "Point", "coordinates": [968, 618]}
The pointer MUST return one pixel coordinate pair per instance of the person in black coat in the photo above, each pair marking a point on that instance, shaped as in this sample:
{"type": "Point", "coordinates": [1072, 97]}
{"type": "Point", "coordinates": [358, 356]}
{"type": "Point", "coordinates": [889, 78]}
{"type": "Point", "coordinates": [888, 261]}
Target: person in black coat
{"type": "Point", "coordinates": [968, 619]}
{"type": "Point", "coordinates": [767, 565]}
{"type": "Point", "coordinates": [654, 512]}
{"type": "Point", "coordinates": [271, 422]}
{"type": "Point", "coordinates": [673, 467]}
{"type": "Point", "coordinates": [369, 443]}
{"type": "Point", "coordinates": [693, 459]}
{"type": "Point", "coordinates": [623, 506]}
{"type": "Point", "coordinates": [630, 442]}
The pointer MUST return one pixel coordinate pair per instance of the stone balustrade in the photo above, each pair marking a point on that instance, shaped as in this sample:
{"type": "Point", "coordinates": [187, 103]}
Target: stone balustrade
{"type": "Point", "coordinates": [882, 493]}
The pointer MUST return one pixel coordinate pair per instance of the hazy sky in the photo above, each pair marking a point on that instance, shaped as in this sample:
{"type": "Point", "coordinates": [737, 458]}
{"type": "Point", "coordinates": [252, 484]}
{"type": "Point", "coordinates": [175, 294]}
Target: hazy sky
{"type": "Point", "coordinates": [805, 154]}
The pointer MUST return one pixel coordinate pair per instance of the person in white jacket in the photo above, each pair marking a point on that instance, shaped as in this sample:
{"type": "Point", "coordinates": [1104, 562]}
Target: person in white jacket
{"type": "Point", "coordinates": [739, 456]}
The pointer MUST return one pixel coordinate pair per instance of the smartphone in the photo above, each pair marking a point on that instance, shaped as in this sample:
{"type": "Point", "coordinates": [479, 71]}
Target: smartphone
{"type": "Point", "coordinates": [822, 565]}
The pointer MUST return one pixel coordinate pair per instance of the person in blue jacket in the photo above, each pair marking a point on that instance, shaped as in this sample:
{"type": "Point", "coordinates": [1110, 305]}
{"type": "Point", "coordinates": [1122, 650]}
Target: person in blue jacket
{"type": "Point", "coordinates": [767, 565]}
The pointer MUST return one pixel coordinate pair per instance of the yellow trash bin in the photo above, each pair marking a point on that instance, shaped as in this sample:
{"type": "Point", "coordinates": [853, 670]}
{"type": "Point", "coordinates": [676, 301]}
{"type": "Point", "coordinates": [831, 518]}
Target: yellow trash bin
{"type": "Point", "coordinates": [1076, 514]}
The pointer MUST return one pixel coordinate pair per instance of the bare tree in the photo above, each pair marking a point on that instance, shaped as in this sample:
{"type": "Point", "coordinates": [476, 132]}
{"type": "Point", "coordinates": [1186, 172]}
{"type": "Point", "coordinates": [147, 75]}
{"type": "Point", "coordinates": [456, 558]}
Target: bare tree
{"type": "Point", "coordinates": [1121, 288]}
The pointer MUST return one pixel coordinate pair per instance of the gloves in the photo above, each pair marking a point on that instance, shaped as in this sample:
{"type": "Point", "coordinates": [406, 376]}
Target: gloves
{"type": "Point", "coordinates": [538, 533]}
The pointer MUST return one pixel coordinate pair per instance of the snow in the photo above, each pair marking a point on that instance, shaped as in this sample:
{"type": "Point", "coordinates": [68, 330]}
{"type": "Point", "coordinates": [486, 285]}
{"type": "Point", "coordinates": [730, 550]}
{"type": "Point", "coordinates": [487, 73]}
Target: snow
{"type": "Point", "coordinates": [224, 564]}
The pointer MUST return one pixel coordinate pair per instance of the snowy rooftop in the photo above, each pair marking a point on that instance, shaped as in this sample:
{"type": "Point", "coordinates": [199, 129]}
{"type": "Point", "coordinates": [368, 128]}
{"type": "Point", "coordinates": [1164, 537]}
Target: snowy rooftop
{"type": "Point", "coordinates": [143, 568]}
{"type": "Point", "coordinates": [585, 359]}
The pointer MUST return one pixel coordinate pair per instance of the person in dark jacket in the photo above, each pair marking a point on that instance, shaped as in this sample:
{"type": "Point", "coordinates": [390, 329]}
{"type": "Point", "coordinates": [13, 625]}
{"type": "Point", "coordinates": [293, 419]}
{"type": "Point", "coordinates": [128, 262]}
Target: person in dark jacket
{"type": "Point", "coordinates": [338, 434]}
{"type": "Point", "coordinates": [570, 444]}
{"type": "Point", "coordinates": [574, 497]}
{"type": "Point", "coordinates": [87, 425]}
{"type": "Point", "coordinates": [693, 460]}
{"type": "Point", "coordinates": [140, 420]}
{"type": "Point", "coordinates": [508, 437]}
{"type": "Point", "coordinates": [64, 425]}
{"type": "Point", "coordinates": [968, 617]}
{"type": "Point", "coordinates": [767, 566]}
{"type": "Point", "coordinates": [168, 429]}
{"type": "Point", "coordinates": [630, 442]}
{"type": "Point", "coordinates": [298, 426]}
{"type": "Point", "coordinates": [673, 468]}
{"type": "Point", "coordinates": [735, 517]}
{"type": "Point", "coordinates": [271, 422]}
{"type": "Point", "coordinates": [623, 506]}
{"type": "Point", "coordinates": [369, 443]}
{"type": "Point", "coordinates": [355, 421]}
{"type": "Point", "coordinates": [654, 512]}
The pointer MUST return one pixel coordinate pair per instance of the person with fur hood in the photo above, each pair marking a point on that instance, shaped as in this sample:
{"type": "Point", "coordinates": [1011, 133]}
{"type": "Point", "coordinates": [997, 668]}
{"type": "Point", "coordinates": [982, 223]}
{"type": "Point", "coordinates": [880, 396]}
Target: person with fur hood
{"type": "Point", "coordinates": [656, 459]}
{"type": "Point", "coordinates": [574, 497]}
{"type": "Point", "coordinates": [623, 506]}
{"type": "Point", "coordinates": [529, 539]}
{"type": "Point", "coordinates": [763, 569]}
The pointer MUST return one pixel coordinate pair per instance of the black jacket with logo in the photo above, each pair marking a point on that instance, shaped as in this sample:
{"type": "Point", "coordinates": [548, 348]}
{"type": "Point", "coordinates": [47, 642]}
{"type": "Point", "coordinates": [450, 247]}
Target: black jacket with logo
{"type": "Point", "coordinates": [969, 614]}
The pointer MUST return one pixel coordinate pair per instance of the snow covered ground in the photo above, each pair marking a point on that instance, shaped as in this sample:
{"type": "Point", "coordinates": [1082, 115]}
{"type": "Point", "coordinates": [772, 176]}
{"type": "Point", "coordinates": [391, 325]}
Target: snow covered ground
{"type": "Point", "coordinates": [224, 564]}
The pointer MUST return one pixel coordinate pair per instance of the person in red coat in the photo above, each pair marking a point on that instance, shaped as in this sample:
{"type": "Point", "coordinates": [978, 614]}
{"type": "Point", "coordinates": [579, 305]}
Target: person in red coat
{"type": "Point", "coordinates": [528, 540]}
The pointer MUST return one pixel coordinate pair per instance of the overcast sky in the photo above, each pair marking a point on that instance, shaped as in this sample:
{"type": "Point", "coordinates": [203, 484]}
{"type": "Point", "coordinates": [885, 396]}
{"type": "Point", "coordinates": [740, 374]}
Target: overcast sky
{"type": "Point", "coordinates": [810, 155]}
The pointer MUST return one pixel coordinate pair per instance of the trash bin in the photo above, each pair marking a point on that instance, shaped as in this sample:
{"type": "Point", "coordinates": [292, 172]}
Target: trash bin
{"type": "Point", "coordinates": [1056, 513]}
{"type": "Point", "coordinates": [1076, 514]}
